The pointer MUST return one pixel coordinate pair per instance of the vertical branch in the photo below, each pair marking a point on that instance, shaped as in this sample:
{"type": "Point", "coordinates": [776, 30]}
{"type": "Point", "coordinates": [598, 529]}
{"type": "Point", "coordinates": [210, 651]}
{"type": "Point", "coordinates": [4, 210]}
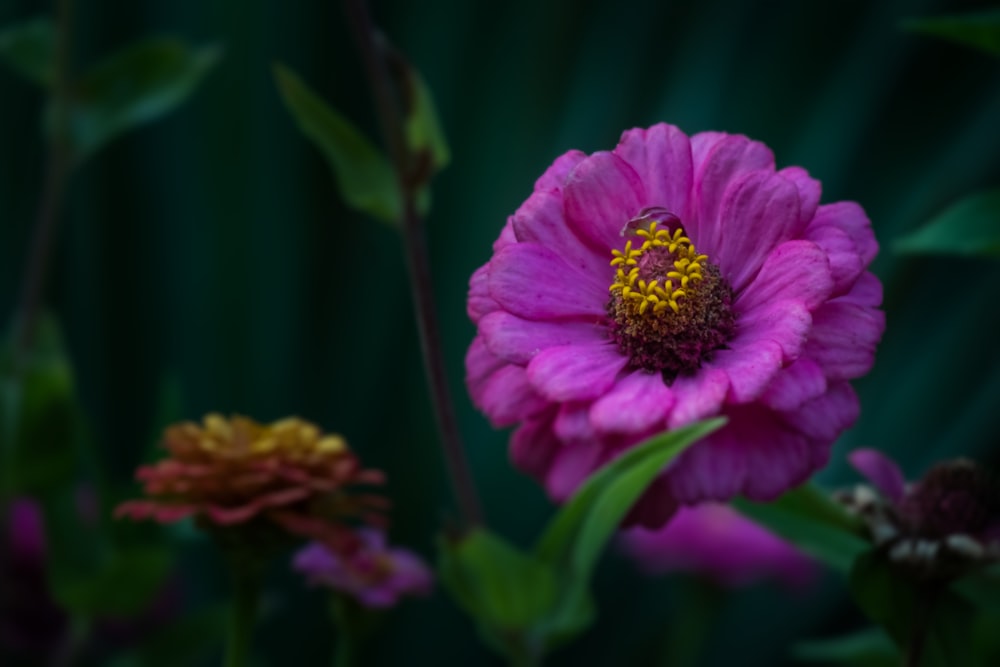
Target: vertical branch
{"type": "Point", "coordinates": [405, 164]}
{"type": "Point", "coordinates": [56, 170]}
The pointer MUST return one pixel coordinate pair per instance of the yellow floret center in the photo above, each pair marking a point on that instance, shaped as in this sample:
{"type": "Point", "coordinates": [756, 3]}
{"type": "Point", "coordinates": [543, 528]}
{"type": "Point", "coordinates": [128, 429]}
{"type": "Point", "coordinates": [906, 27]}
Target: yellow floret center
{"type": "Point", "coordinates": [659, 294]}
{"type": "Point", "coordinates": [291, 438]}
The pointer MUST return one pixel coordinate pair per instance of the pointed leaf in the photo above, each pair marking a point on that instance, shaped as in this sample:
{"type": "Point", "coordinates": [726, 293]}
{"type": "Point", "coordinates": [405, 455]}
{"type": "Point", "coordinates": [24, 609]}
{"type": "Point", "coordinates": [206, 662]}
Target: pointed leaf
{"type": "Point", "coordinates": [980, 30]}
{"type": "Point", "coordinates": [970, 227]}
{"type": "Point", "coordinates": [868, 648]}
{"type": "Point", "coordinates": [363, 175]}
{"type": "Point", "coordinates": [28, 48]}
{"type": "Point", "coordinates": [808, 518]}
{"type": "Point", "coordinates": [135, 86]}
{"type": "Point", "coordinates": [423, 129]}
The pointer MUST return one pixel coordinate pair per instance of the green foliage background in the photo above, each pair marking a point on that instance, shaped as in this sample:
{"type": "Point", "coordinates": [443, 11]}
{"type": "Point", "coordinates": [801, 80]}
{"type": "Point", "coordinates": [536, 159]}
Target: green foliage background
{"type": "Point", "coordinates": [209, 256]}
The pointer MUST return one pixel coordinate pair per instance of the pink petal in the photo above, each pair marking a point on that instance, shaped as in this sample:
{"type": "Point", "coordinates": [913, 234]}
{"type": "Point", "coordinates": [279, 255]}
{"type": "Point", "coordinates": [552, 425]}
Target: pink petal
{"type": "Point", "coordinates": [507, 398]}
{"type": "Point", "coordinates": [572, 422]}
{"type": "Point", "coordinates": [554, 177]}
{"type": "Point", "coordinates": [750, 369]}
{"type": "Point", "coordinates": [480, 302]}
{"type": "Point", "coordinates": [576, 372]}
{"type": "Point", "coordinates": [824, 418]}
{"type": "Point", "coordinates": [796, 270]}
{"type": "Point", "coordinates": [787, 323]}
{"type": "Point", "coordinates": [843, 339]}
{"type": "Point", "coordinates": [661, 156]}
{"type": "Point", "coordinates": [881, 471]}
{"type": "Point", "coordinates": [698, 396]}
{"type": "Point", "coordinates": [711, 469]}
{"type": "Point", "coordinates": [845, 262]}
{"type": "Point", "coordinates": [533, 281]}
{"type": "Point", "coordinates": [637, 403]}
{"type": "Point", "coordinates": [720, 161]}
{"type": "Point", "coordinates": [601, 195]}
{"type": "Point", "coordinates": [572, 464]}
{"type": "Point", "coordinates": [518, 340]}
{"type": "Point", "coordinates": [867, 291]}
{"type": "Point", "coordinates": [850, 217]}
{"type": "Point", "coordinates": [533, 445]}
{"type": "Point", "coordinates": [758, 213]}
{"type": "Point", "coordinates": [506, 237]}
{"type": "Point", "coordinates": [540, 220]}
{"type": "Point", "coordinates": [480, 364]}
{"type": "Point", "coordinates": [809, 192]}
{"type": "Point", "coordinates": [802, 381]}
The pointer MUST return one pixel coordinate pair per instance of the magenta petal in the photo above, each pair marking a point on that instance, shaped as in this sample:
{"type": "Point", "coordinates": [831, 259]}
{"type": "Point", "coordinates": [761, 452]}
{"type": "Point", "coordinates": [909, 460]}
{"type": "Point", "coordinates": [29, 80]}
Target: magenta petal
{"type": "Point", "coordinates": [750, 369]}
{"type": "Point", "coordinates": [787, 323]}
{"type": "Point", "coordinates": [554, 177]}
{"type": "Point", "coordinates": [758, 213]}
{"type": "Point", "coordinates": [727, 159]}
{"type": "Point", "coordinates": [881, 471]}
{"type": "Point", "coordinates": [796, 270]}
{"type": "Point", "coordinates": [698, 396]}
{"type": "Point", "coordinates": [540, 220]}
{"type": "Point", "coordinates": [576, 372]}
{"type": "Point", "coordinates": [661, 156]}
{"type": "Point", "coordinates": [851, 218]}
{"type": "Point", "coordinates": [602, 194]}
{"type": "Point", "coordinates": [518, 340]}
{"type": "Point", "coordinates": [809, 192]}
{"type": "Point", "coordinates": [572, 422]}
{"type": "Point", "coordinates": [825, 417]}
{"type": "Point", "coordinates": [533, 281]}
{"type": "Point", "coordinates": [638, 402]}
{"type": "Point", "coordinates": [507, 397]}
{"type": "Point", "coordinates": [843, 339]}
{"type": "Point", "coordinates": [571, 466]}
{"type": "Point", "coordinates": [845, 262]}
{"type": "Point", "coordinates": [712, 469]}
{"type": "Point", "coordinates": [480, 364]}
{"type": "Point", "coordinates": [794, 385]}
{"type": "Point", "coordinates": [480, 302]}
{"type": "Point", "coordinates": [533, 445]}
{"type": "Point", "coordinates": [867, 291]}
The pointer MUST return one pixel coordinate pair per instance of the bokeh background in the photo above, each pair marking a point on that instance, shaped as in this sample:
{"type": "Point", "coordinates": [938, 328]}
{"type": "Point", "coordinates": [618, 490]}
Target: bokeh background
{"type": "Point", "coordinates": [207, 263]}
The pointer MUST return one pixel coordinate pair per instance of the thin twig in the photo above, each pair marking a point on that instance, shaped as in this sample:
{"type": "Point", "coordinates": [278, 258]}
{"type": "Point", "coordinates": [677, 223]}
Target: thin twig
{"type": "Point", "coordinates": [391, 120]}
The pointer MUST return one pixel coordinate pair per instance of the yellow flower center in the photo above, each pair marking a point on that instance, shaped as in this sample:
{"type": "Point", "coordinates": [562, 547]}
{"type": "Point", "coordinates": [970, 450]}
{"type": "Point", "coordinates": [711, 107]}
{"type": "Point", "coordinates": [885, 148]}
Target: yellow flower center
{"type": "Point", "coordinates": [644, 295]}
{"type": "Point", "coordinates": [242, 438]}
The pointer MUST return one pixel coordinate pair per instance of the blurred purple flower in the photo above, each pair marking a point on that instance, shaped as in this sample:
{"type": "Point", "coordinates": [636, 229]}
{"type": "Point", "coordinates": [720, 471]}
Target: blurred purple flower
{"type": "Point", "coordinates": [939, 527]}
{"type": "Point", "coordinates": [718, 542]}
{"type": "Point", "coordinates": [374, 574]}
{"type": "Point", "coordinates": [599, 323]}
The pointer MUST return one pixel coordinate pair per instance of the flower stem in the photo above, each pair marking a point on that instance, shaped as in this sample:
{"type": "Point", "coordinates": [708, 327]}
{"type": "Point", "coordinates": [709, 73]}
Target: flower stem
{"type": "Point", "coordinates": [56, 170]}
{"type": "Point", "coordinates": [926, 596]}
{"type": "Point", "coordinates": [414, 240]}
{"type": "Point", "coordinates": [246, 588]}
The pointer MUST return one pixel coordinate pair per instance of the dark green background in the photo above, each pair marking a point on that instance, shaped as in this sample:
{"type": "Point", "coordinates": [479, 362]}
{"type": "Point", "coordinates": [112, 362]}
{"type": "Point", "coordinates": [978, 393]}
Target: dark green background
{"type": "Point", "coordinates": [210, 252]}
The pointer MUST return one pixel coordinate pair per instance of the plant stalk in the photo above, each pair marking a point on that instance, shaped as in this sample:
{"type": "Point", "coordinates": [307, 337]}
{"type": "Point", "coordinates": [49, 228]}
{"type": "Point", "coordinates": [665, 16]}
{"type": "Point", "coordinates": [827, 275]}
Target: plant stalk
{"type": "Point", "coordinates": [414, 240]}
{"type": "Point", "coordinates": [246, 589]}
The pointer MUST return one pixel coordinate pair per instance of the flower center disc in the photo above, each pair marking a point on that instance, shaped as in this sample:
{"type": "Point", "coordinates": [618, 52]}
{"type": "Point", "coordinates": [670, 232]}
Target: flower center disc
{"type": "Point", "coordinates": [670, 307]}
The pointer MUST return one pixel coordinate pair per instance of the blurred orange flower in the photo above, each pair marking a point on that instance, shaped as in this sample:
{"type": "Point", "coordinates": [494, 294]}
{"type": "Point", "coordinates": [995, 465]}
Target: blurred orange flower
{"type": "Point", "coordinates": [229, 472]}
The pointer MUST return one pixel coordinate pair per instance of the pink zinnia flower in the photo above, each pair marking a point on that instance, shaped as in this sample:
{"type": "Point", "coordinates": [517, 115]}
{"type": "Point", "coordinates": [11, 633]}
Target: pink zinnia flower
{"type": "Point", "coordinates": [667, 281]}
{"type": "Point", "coordinates": [717, 541]}
{"type": "Point", "coordinates": [373, 574]}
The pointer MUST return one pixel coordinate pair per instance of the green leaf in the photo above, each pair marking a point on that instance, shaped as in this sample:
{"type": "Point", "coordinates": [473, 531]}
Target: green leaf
{"type": "Point", "coordinates": [39, 416]}
{"type": "Point", "coordinates": [505, 590]}
{"type": "Point", "coordinates": [423, 129]}
{"type": "Point", "coordinates": [363, 175]}
{"type": "Point", "coordinates": [578, 533]}
{"type": "Point", "coordinates": [903, 605]}
{"type": "Point", "coordinates": [969, 227]}
{"type": "Point", "coordinates": [124, 584]}
{"type": "Point", "coordinates": [808, 518]}
{"type": "Point", "coordinates": [137, 85]}
{"type": "Point", "coordinates": [871, 647]}
{"type": "Point", "coordinates": [29, 49]}
{"type": "Point", "coordinates": [980, 30]}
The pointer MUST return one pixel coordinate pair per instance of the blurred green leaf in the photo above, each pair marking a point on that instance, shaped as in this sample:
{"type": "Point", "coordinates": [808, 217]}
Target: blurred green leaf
{"type": "Point", "coordinates": [186, 641]}
{"type": "Point", "coordinates": [122, 585]}
{"type": "Point", "coordinates": [363, 175]}
{"type": "Point", "coordinates": [579, 532]}
{"type": "Point", "coordinates": [980, 30]}
{"type": "Point", "coordinates": [981, 588]}
{"type": "Point", "coordinates": [137, 85]}
{"type": "Point", "coordinates": [808, 518]}
{"type": "Point", "coordinates": [868, 648]}
{"type": "Point", "coordinates": [971, 226]}
{"type": "Point", "coordinates": [504, 589]}
{"type": "Point", "coordinates": [39, 416]}
{"type": "Point", "coordinates": [28, 48]}
{"type": "Point", "coordinates": [423, 129]}
{"type": "Point", "coordinates": [901, 604]}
